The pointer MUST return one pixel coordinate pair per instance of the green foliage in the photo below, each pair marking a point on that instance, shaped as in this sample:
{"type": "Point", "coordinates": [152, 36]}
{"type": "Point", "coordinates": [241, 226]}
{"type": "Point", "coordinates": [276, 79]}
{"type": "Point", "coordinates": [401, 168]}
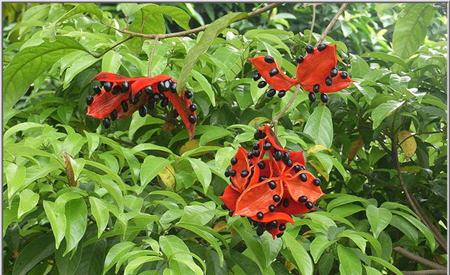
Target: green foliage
{"type": "Point", "coordinates": [139, 198]}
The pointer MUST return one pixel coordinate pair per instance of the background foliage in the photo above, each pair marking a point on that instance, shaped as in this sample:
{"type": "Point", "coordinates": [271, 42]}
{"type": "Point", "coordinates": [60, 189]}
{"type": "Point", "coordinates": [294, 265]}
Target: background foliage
{"type": "Point", "coordinates": [139, 198]}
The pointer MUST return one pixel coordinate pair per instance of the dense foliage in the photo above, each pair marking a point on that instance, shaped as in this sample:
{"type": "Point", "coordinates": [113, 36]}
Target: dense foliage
{"type": "Point", "coordinates": [141, 198]}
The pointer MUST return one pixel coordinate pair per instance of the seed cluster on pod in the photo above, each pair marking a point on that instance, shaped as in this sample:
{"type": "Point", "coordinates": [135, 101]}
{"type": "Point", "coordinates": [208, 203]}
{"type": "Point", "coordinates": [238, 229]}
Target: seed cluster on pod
{"type": "Point", "coordinates": [269, 184]}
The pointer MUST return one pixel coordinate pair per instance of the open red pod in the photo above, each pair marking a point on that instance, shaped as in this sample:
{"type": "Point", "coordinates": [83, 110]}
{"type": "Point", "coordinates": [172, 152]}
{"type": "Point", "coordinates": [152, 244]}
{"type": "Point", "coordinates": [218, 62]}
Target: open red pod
{"type": "Point", "coordinates": [118, 96]}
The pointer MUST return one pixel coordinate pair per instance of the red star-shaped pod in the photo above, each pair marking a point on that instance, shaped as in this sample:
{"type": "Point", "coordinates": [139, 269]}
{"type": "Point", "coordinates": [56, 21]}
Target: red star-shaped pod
{"type": "Point", "coordinates": [274, 222]}
{"type": "Point", "coordinates": [120, 96]}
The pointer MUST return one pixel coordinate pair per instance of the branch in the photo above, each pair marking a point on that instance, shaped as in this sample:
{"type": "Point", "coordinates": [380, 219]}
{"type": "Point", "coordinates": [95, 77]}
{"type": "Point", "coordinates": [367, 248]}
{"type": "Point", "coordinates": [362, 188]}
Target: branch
{"type": "Point", "coordinates": [312, 23]}
{"type": "Point", "coordinates": [418, 258]}
{"type": "Point", "coordinates": [418, 134]}
{"type": "Point", "coordinates": [112, 47]}
{"type": "Point", "coordinates": [425, 272]}
{"type": "Point", "coordinates": [332, 23]}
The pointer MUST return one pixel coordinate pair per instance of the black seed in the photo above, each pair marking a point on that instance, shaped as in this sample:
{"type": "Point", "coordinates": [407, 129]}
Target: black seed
{"type": "Point", "coordinates": [267, 145]}
{"type": "Point", "coordinates": [261, 164]}
{"type": "Point", "coordinates": [167, 84]}
{"type": "Point", "coordinates": [333, 72]}
{"type": "Point", "coordinates": [260, 215]}
{"type": "Point", "coordinates": [297, 168]}
{"type": "Point", "coordinates": [276, 198]}
{"type": "Point", "coordinates": [321, 47]}
{"type": "Point", "coordinates": [303, 177]}
{"type": "Point", "coordinates": [107, 86]}
{"type": "Point", "coordinates": [282, 227]}
{"type": "Point", "coordinates": [286, 155]}
{"type": "Point", "coordinates": [232, 173]}
{"type": "Point", "coordinates": [309, 49]}
{"type": "Point", "coordinates": [285, 202]}
{"type": "Point", "coordinates": [299, 59]}
{"type": "Point", "coordinates": [288, 162]}
{"type": "Point", "coordinates": [161, 87]}
{"type": "Point", "coordinates": [259, 134]}
{"type": "Point", "coordinates": [256, 76]}
{"type": "Point", "coordinates": [97, 89]}
{"type": "Point", "coordinates": [281, 93]}
{"type": "Point", "coordinates": [113, 114]}
{"type": "Point", "coordinates": [188, 94]}
{"type": "Point", "coordinates": [164, 102]}
{"type": "Point", "coordinates": [344, 75]}
{"type": "Point", "coordinates": [277, 155]}
{"type": "Point", "coordinates": [302, 199]}
{"type": "Point", "coordinates": [142, 111]}
{"type": "Point", "coordinates": [312, 97]}
{"type": "Point", "coordinates": [173, 87]}
{"type": "Point", "coordinates": [256, 146]}
{"type": "Point", "coordinates": [193, 107]}
{"type": "Point", "coordinates": [262, 84]}
{"type": "Point", "coordinates": [309, 205]}
{"type": "Point", "coordinates": [272, 224]}
{"type": "Point", "coordinates": [259, 231]}
{"type": "Point", "coordinates": [280, 235]}
{"type": "Point", "coordinates": [272, 208]}
{"type": "Point", "coordinates": [234, 160]}
{"type": "Point", "coordinates": [316, 182]}
{"type": "Point", "coordinates": [148, 90]}
{"type": "Point", "coordinates": [156, 97]}
{"type": "Point", "coordinates": [302, 167]}
{"type": "Point", "coordinates": [324, 98]}
{"type": "Point", "coordinates": [124, 105]}
{"type": "Point", "coordinates": [125, 87]}
{"type": "Point", "coordinates": [272, 184]}
{"type": "Point", "coordinates": [255, 153]}
{"type": "Point", "coordinates": [328, 81]}
{"type": "Point", "coordinates": [227, 173]}
{"type": "Point", "coordinates": [262, 178]}
{"type": "Point", "coordinates": [106, 123]}
{"type": "Point", "coordinates": [273, 72]}
{"type": "Point", "coordinates": [271, 92]}
{"type": "Point", "coordinates": [192, 119]}
{"type": "Point", "coordinates": [89, 99]}
{"type": "Point", "coordinates": [250, 154]}
{"type": "Point", "coordinates": [116, 90]}
{"type": "Point", "coordinates": [316, 88]}
{"type": "Point", "coordinates": [268, 59]}
{"type": "Point", "coordinates": [244, 173]}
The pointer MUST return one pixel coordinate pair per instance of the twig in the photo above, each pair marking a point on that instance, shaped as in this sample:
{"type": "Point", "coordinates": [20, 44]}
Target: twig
{"type": "Point", "coordinates": [332, 23]}
{"type": "Point", "coordinates": [425, 272]}
{"type": "Point", "coordinates": [112, 47]}
{"type": "Point", "coordinates": [312, 23]}
{"type": "Point", "coordinates": [150, 57]}
{"type": "Point", "coordinates": [418, 258]}
{"type": "Point", "coordinates": [286, 107]}
{"type": "Point", "coordinates": [418, 134]}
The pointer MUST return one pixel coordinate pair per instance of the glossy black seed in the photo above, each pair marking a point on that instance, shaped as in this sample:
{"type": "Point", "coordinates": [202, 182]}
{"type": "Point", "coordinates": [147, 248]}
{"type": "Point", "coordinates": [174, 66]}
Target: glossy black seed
{"type": "Point", "coordinates": [299, 59]}
{"type": "Point", "coordinates": [260, 215]}
{"type": "Point", "coordinates": [321, 47]}
{"type": "Point", "coordinates": [161, 87]}
{"type": "Point", "coordinates": [276, 198]}
{"type": "Point", "coordinates": [106, 123]}
{"type": "Point", "coordinates": [272, 224]}
{"type": "Point", "coordinates": [282, 227]}
{"type": "Point", "coordinates": [256, 76]}
{"type": "Point", "coordinates": [271, 92]}
{"type": "Point", "coordinates": [234, 160]}
{"type": "Point", "coordinates": [297, 168]}
{"type": "Point", "coordinates": [97, 89]}
{"type": "Point", "coordinates": [344, 75]}
{"type": "Point", "coordinates": [192, 119]}
{"type": "Point", "coordinates": [255, 153]}
{"type": "Point", "coordinates": [167, 84]}
{"type": "Point", "coordinates": [328, 81]}
{"type": "Point", "coordinates": [302, 167]}
{"type": "Point", "coordinates": [324, 98]}
{"type": "Point", "coordinates": [250, 154]}
{"type": "Point", "coordinates": [148, 90]}
{"type": "Point", "coordinates": [230, 214]}
{"type": "Point", "coordinates": [256, 146]}
{"type": "Point", "coordinates": [244, 173]}
{"type": "Point", "coordinates": [156, 97]}
{"type": "Point", "coordinates": [116, 90]}
{"type": "Point", "coordinates": [280, 235]}
{"type": "Point", "coordinates": [316, 182]}
{"type": "Point", "coordinates": [267, 145]}
{"type": "Point", "coordinates": [89, 99]}
{"type": "Point", "coordinates": [269, 59]}
{"type": "Point", "coordinates": [143, 111]}
{"type": "Point", "coordinates": [273, 72]}
{"type": "Point", "coordinates": [312, 97]}
{"type": "Point", "coordinates": [173, 87]}
{"type": "Point", "coordinates": [193, 107]}
{"type": "Point", "coordinates": [259, 134]}
{"type": "Point", "coordinates": [309, 205]}
{"type": "Point", "coordinates": [286, 155]}
{"type": "Point", "coordinates": [316, 88]}
{"type": "Point", "coordinates": [232, 173]}
{"type": "Point", "coordinates": [333, 72]}
{"type": "Point", "coordinates": [262, 84]}
{"type": "Point", "coordinates": [281, 93]}
{"type": "Point", "coordinates": [259, 231]}
{"type": "Point", "coordinates": [285, 202]}
{"type": "Point", "coordinates": [309, 49]}
{"type": "Point", "coordinates": [188, 94]}
{"type": "Point", "coordinates": [272, 184]}
{"type": "Point", "coordinates": [124, 106]}
{"type": "Point", "coordinates": [107, 86]}
{"type": "Point", "coordinates": [164, 102]}
{"type": "Point", "coordinates": [277, 155]}
{"type": "Point", "coordinates": [113, 114]}
{"type": "Point", "coordinates": [262, 178]}
{"type": "Point", "coordinates": [227, 173]}
{"type": "Point", "coordinates": [302, 199]}
{"type": "Point", "coordinates": [303, 177]}
{"type": "Point", "coordinates": [288, 162]}
{"type": "Point", "coordinates": [125, 87]}
{"type": "Point", "coordinates": [272, 208]}
{"type": "Point", "coordinates": [261, 164]}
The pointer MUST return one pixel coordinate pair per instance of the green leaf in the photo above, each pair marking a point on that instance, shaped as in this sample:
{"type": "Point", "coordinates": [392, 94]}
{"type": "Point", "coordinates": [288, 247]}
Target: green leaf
{"type": "Point", "coordinates": [318, 246]}
{"type": "Point", "coordinates": [213, 133]}
{"type": "Point", "coordinates": [76, 219]}
{"type": "Point", "coordinates": [84, 61]}
{"type": "Point", "coordinates": [135, 264]}
{"type": "Point", "coordinates": [68, 264]}
{"type": "Point", "coordinates": [198, 214]}
{"type": "Point", "coordinates": [150, 168]}
{"type": "Point", "coordinates": [355, 237]}
{"type": "Point", "coordinates": [379, 219]}
{"type": "Point", "coordinates": [349, 263]}
{"type": "Point", "coordinates": [383, 110]}
{"type": "Point", "coordinates": [298, 252]}
{"type": "Point", "coordinates": [33, 253]}
{"type": "Point", "coordinates": [31, 63]}
{"type": "Point", "coordinates": [28, 201]}
{"type": "Point", "coordinates": [172, 247]}
{"type": "Point", "coordinates": [111, 62]}
{"type": "Point", "coordinates": [202, 172]}
{"type": "Point", "coordinates": [385, 264]}
{"type": "Point", "coordinates": [203, 45]}
{"type": "Point", "coordinates": [93, 142]}
{"type": "Point", "coordinates": [101, 214]}
{"type": "Point", "coordinates": [205, 85]}
{"type": "Point", "coordinates": [419, 225]}
{"type": "Point", "coordinates": [57, 219]}
{"type": "Point", "coordinates": [414, 19]}
{"type": "Point", "coordinates": [15, 179]}
{"type": "Point", "coordinates": [320, 126]}
{"type": "Point", "coordinates": [82, 8]}
{"type": "Point", "coordinates": [372, 271]}
{"type": "Point", "coordinates": [115, 253]}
